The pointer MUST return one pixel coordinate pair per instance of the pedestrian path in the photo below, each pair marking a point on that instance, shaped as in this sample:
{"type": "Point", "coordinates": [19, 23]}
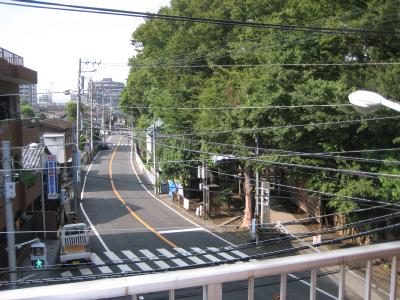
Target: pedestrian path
{"type": "Point", "coordinates": [154, 260]}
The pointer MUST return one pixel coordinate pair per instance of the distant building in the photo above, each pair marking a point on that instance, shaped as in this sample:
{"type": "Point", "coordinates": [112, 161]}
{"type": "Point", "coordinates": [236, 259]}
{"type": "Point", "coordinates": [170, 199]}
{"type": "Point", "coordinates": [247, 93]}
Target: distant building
{"type": "Point", "coordinates": [57, 136]}
{"type": "Point", "coordinates": [28, 93]}
{"type": "Point", "coordinates": [45, 99]}
{"type": "Point", "coordinates": [107, 91]}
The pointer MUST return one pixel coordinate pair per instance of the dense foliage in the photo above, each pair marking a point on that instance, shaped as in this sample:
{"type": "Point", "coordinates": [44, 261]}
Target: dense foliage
{"type": "Point", "coordinates": [183, 64]}
{"type": "Point", "coordinates": [27, 111]}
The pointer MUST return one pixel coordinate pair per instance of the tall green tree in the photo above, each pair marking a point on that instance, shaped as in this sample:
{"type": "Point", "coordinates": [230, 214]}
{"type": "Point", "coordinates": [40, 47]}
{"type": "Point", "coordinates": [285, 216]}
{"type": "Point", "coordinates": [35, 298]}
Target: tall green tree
{"type": "Point", "coordinates": [182, 65]}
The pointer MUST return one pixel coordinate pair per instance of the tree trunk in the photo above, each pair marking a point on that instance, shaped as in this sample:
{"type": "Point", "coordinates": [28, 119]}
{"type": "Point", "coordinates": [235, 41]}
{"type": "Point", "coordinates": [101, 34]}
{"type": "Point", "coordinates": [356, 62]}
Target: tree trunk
{"type": "Point", "coordinates": [248, 210]}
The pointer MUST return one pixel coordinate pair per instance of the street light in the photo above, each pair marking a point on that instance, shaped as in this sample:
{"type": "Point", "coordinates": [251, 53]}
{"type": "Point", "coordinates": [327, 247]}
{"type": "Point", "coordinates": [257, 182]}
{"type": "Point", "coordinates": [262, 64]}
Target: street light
{"type": "Point", "coordinates": [365, 101]}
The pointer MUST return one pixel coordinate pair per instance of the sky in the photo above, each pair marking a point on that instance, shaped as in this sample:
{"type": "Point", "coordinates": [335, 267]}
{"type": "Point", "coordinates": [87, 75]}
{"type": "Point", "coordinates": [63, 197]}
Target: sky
{"type": "Point", "coordinates": [51, 42]}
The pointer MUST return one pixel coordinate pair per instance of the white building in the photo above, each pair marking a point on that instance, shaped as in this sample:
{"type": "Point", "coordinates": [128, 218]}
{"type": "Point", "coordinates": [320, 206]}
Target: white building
{"type": "Point", "coordinates": [28, 93]}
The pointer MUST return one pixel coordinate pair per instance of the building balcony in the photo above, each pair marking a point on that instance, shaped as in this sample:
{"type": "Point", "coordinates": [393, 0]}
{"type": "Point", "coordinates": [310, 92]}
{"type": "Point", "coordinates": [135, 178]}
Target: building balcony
{"type": "Point", "coordinates": [12, 69]}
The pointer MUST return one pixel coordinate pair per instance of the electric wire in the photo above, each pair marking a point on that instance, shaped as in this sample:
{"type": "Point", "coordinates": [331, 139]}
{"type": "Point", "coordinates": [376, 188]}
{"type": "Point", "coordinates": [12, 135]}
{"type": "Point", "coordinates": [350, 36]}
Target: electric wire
{"type": "Point", "coordinates": [282, 27]}
{"type": "Point", "coordinates": [262, 255]}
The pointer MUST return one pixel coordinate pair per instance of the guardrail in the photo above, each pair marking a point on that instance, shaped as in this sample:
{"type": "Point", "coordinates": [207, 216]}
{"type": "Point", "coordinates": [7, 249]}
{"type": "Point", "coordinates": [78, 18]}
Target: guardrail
{"type": "Point", "coordinates": [11, 58]}
{"type": "Point", "coordinates": [211, 278]}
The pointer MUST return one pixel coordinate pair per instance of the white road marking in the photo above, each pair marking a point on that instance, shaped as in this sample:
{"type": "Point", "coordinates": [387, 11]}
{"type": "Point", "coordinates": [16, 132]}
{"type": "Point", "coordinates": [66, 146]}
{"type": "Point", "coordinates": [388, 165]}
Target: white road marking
{"type": "Point", "coordinates": [85, 271]}
{"type": "Point", "coordinates": [165, 253]}
{"type": "Point", "coordinates": [161, 264]}
{"type": "Point", "coordinates": [213, 249]}
{"type": "Point", "coordinates": [148, 254]}
{"type": "Point", "coordinates": [129, 254]}
{"type": "Point", "coordinates": [180, 262]}
{"type": "Point", "coordinates": [318, 289]}
{"type": "Point", "coordinates": [198, 250]}
{"type": "Point", "coordinates": [183, 251]}
{"type": "Point", "coordinates": [114, 258]}
{"type": "Point", "coordinates": [212, 258]}
{"type": "Point", "coordinates": [83, 210]}
{"type": "Point", "coordinates": [240, 254]}
{"type": "Point", "coordinates": [144, 267]}
{"type": "Point", "coordinates": [66, 274]}
{"type": "Point", "coordinates": [98, 261]}
{"type": "Point", "coordinates": [196, 260]}
{"type": "Point", "coordinates": [226, 255]}
{"type": "Point", "coordinates": [167, 206]}
{"type": "Point", "coordinates": [181, 230]}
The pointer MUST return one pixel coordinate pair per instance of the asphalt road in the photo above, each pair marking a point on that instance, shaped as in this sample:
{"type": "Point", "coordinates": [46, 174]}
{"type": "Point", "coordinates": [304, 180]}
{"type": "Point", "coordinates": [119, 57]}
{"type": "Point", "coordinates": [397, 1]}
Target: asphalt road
{"type": "Point", "coordinates": [130, 221]}
{"type": "Point", "coordinates": [134, 232]}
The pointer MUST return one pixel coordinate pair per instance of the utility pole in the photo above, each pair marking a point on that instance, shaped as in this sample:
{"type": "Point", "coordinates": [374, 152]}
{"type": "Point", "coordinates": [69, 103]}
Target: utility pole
{"type": "Point", "coordinates": [257, 210]}
{"type": "Point", "coordinates": [257, 183]}
{"type": "Point", "coordinates": [12, 262]}
{"type": "Point", "coordinates": [42, 200]}
{"type": "Point", "coordinates": [154, 158]}
{"type": "Point", "coordinates": [102, 115]}
{"type": "Point", "coordinates": [91, 115]}
{"type": "Point", "coordinates": [110, 112]}
{"type": "Point", "coordinates": [76, 155]}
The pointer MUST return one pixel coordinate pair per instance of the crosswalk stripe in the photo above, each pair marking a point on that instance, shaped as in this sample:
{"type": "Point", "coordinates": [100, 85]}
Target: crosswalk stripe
{"type": "Point", "coordinates": [183, 251]}
{"type": "Point", "coordinates": [85, 271]}
{"type": "Point", "coordinates": [240, 254]}
{"type": "Point", "coordinates": [212, 258]}
{"type": "Point", "coordinates": [129, 254]}
{"type": "Point", "coordinates": [226, 255]}
{"type": "Point", "coordinates": [148, 254]}
{"type": "Point", "coordinates": [196, 260]}
{"type": "Point", "coordinates": [198, 250]}
{"type": "Point", "coordinates": [66, 274]}
{"type": "Point", "coordinates": [213, 249]}
{"type": "Point", "coordinates": [143, 266]}
{"type": "Point", "coordinates": [97, 261]}
{"type": "Point", "coordinates": [180, 262]}
{"type": "Point", "coordinates": [161, 264]}
{"type": "Point", "coordinates": [112, 256]}
{"type": "Point", "coordinates": [165, 253]}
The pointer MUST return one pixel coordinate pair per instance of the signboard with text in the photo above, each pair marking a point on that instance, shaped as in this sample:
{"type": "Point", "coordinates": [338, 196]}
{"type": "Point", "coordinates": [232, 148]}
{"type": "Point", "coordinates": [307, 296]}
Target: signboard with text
{"type": "Point", "coordinates": [51, 168]}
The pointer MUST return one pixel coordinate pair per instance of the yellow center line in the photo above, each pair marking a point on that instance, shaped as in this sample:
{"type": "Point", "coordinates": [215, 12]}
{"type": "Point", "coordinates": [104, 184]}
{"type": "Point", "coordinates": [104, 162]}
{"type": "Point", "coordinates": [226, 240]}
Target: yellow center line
{"type": "Point", "coordinates": [128, 208]}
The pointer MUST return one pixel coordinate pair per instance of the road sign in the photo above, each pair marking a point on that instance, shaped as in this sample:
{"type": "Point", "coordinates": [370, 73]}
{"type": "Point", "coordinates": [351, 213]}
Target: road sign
{"type": "Point", "coordinates": [10, 190]}
{"type": "Point", "coordinates": [51, 167]}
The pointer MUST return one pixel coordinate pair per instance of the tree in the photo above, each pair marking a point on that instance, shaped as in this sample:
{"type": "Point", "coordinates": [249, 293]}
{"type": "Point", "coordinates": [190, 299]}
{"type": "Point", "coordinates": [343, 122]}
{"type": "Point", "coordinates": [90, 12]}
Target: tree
{"type": "Point", "coordinates": [180, 65]}
{"type": "Point", "coordinates": [71, 111]}
{"type": "Point", "coordinates": [27, 111]}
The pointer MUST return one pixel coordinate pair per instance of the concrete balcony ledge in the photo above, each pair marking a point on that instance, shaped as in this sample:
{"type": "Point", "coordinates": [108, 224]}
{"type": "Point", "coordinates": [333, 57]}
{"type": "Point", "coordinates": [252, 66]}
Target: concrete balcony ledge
{"type": "Point", "coordinates": [16, 74]}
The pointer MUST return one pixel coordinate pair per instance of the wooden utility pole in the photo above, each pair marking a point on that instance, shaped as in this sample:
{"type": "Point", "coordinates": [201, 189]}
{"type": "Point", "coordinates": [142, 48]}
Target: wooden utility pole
{"type": "Point", "coordinates": [248, 210]}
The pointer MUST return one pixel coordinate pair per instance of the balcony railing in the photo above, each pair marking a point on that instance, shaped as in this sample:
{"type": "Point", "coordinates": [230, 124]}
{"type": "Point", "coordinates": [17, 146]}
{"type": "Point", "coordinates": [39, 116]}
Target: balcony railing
{"type": "Point", "coordinates": [11, 57]}
{"type": "Point", "coordinates": [212, 278]}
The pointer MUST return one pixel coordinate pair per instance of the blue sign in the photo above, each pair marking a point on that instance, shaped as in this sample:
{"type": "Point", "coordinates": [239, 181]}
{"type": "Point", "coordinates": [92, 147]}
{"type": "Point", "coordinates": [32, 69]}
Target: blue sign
{"type": "Point", "coordinates": [172, 187]}
{"type": "Point", "coordinates": [51, 167]}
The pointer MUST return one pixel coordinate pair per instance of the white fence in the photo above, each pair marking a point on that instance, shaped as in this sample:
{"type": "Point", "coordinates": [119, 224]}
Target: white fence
{"type": "Point", "coordinates": [211, 278]}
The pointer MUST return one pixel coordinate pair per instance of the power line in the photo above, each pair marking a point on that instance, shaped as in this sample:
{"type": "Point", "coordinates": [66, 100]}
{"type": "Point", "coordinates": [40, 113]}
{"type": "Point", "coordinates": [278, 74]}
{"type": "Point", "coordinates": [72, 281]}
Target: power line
{"type": "Point", "coordinates": [256, 256]}
{"type": "Point", "coordinates": [282, 27]}
{"type": "Point", "coordinates": [292, 165]}
{"type": "Point", "coordinates": [240, 107]}
{"type": "Point", "coordinates": [287, 153]}
{"type": "Point", "coordinates": [266, 65]}
{"type": "Point", "coordinates": [244, 130]}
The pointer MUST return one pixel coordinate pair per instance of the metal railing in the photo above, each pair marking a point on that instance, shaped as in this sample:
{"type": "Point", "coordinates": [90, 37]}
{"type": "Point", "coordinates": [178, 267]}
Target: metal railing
{"type": "Point", "coordinates": [212, 278]}
{"type": "Point", "coordinates": [11, 58]}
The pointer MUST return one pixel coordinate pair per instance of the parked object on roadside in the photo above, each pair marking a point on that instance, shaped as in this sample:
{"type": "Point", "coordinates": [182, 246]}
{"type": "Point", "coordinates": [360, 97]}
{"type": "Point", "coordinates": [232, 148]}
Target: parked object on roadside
{"type": "Point", "coordinates": [75, 246]}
